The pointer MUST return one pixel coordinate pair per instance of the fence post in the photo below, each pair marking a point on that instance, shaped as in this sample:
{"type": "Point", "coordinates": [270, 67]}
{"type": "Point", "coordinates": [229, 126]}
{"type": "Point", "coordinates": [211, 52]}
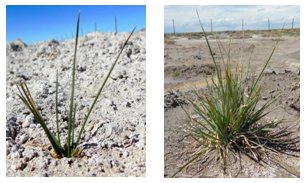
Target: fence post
{"type": "Point", "coordinates": [211, 25]}
{"type": "Point", "coordinates": [115, 25]}
{"type": "Point", "coordinates": [269, 26]}
{"type": "Point", "coordinates": [292, 23]}
{"type": "Point", "coordinates": [243, 27]}
{"type": "Point", "coordinates": [174, 31]}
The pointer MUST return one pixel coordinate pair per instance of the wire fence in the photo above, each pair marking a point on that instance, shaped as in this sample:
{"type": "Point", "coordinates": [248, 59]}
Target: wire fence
{"type": "Point", "coordinates": [265, 25]}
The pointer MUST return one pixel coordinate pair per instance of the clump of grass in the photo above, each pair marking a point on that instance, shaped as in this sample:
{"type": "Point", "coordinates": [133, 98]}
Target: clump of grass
{"type": "Point", "coordinates": [175, 74]}
{"type": "Point", "coordinates": [229, 116]}
{"type": "Point", "coordinates": [70, 149]}
{"type": "Point", "coordinates": [168, 39]}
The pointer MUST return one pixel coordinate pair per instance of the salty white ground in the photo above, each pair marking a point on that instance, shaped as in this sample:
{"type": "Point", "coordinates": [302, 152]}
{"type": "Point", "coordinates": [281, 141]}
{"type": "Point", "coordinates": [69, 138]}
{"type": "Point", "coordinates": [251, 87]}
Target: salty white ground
{"type": "Point", "coordinates": [114, 140]}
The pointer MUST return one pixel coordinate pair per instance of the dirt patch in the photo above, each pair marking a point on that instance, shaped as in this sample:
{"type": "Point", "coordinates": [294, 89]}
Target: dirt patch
{"type": "Point", "coordinates": [188, 71]}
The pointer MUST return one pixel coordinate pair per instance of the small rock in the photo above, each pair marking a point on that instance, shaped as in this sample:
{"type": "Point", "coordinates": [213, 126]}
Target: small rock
{"type": "Point", "coordinates": [12, 120]}
{"type": "Point", "coordinates": [15, 155]}
{"type": "Point", "coordinates": [140, 144]}
{"type": "Point", "coordinates": [43, 164]}
{"type": "Point", "coordinates": [23, 76]}
{"type": "Point", "coordinates": [21, 165]}
{"type": "Point", "coordinates": [15, 148]}
{"type": "Point", "coordinates": [89, 144]}
{"type": "Point", "coordinates": [42, 174]}
{"type": "Point", "coordinates": [11, 131]}
{"type": "Point", "coordinates": [108, 130]}
{"type": "Point", "coordinates": [266, 97]}
{"type": "Point", "coordinates": [32, 126]}
{"type": "Point", "coordinates": [81, 68]}
{"type": "Point", "coordinates": [14, 167]}
{"type": "Point", "coordinates": [17, 45]}
{"type": "Point", "coordinates": [54, 163]}
{"type": "Point", "coordinates": [23, 138]}
{"type": "Point", "coordinates": [29, 155]}
{"type": "Point", "coordinates": [21, 150]}
{"type": "Point", "coordinates": [53, 43]}
{"type": "Point", "coordinates": [173, 99]}
{"type": "Point", "coordinates": [128, 104]}
{"type": "Point", "coordinates": [136, 50]}
{"type": "Point", "coordinates": [32, 168]}
{"type": "Point", "coordinates": [122, 169]}
{"type": "Point", "coordinates": [125, 154]}
{"type": "Point", "coordinates": [28, 121]}
{"type": "Point", "coordinates": [87, 137]}
{"type": "Point", "coordinates": [114, 106]}
{"type": "Point", "coordinates": [95, 129]}
{"type": "Point", "coordinates": [113, 163]}
{"type": "Point", "coordinates": [129, 52]}
{"type": "Point", "coordinates": [68, 161]}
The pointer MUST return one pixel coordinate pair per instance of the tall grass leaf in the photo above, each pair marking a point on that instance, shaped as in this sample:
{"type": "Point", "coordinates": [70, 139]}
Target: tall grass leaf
{"type": "Point", "coordinates": [56, 107]}
{"type": "Point", "coordinates": [102, 86]}
{"type": "Point", "coordinates": [70, 116]}
{"type": "Point", "coordinates": [26, 97]}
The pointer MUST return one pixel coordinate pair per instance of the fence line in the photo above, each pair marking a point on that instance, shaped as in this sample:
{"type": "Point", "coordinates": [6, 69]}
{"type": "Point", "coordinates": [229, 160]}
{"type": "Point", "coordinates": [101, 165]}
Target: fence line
{"type": "Point", "coordinates": [243, 25]}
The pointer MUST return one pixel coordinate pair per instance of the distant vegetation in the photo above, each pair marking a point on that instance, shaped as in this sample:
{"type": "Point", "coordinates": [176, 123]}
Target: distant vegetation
{"type": "Point", "coordinates": [239, 34]}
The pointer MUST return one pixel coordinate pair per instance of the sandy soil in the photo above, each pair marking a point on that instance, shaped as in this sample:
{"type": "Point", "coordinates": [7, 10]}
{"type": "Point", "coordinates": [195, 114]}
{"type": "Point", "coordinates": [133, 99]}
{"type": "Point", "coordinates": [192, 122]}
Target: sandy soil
{"type": "Point", "coordinates": [187, 62]}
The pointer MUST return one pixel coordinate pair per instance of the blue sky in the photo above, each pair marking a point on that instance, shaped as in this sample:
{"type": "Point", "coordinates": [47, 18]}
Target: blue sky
{"type": "Point", "coordinates": [38, 23]}
{"type": "Point", "coordinates": [229, 17]}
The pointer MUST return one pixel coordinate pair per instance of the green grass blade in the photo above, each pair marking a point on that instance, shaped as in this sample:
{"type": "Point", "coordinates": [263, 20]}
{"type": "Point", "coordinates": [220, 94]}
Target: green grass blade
{"type": "Point", "coordinates": [102, 86]}
{"type": "Point", "coordinates": [218, 69]}
{"type": "Point", "coordinates": [268, 60]}
{"type": "Point", "coordinates": [194, 157]}
{"type": "Point", "coordinates": [70, 117]}
{"type": "Point", "coordinates": [26, 97]}
{"type": "Point", "coordinates": [73, 127]}
{"type": "Point", "coordinates": [263, 68]}
{"type": "Point", "coordinates": [56, 107]}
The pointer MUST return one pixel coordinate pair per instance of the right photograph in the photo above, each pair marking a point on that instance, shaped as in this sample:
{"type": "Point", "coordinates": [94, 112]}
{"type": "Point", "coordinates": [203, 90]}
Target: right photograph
{"type": "Point", "coordinates": [232, 91]}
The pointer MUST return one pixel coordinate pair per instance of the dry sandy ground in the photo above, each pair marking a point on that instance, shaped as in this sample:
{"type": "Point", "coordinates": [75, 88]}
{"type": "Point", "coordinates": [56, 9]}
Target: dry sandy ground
{"type": "Point", "coordinates": [187, 62]}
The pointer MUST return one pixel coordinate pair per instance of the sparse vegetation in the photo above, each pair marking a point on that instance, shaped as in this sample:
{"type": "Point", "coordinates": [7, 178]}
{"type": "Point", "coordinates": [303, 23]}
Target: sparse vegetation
{"type": "Point", "coordinates": [168, 39]}
{"type": "Point", "coordinates": [175, 74]}
{"type": "Point", "coordinates": [237, 34]}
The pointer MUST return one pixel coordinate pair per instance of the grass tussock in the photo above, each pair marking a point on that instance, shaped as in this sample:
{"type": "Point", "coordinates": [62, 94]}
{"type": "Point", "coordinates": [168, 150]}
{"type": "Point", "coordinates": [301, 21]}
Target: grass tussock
{"type": "Point", "coordinates": [228, 118]}
{"type": "Point", "coordinates": [168, 39]}
{"type": "Point", "coordinates": [70, 148]}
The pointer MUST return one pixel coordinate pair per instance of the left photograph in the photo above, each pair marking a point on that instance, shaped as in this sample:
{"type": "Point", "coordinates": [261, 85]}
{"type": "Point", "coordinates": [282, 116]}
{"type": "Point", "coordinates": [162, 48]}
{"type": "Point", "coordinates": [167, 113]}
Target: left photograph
{"type": "Point", "coordinates": [75, 91]}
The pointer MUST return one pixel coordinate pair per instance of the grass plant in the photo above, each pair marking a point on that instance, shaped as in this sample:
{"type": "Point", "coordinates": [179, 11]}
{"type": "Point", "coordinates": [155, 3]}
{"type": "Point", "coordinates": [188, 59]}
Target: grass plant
{"type": "Point", "coordinates": [70, 149]}
{"type": "Point", "coordinates": [175, 74]}
{"type": "Point", "coordinates": [168, 39]}
{"type": "Point", "coordinates": [229, 117]}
